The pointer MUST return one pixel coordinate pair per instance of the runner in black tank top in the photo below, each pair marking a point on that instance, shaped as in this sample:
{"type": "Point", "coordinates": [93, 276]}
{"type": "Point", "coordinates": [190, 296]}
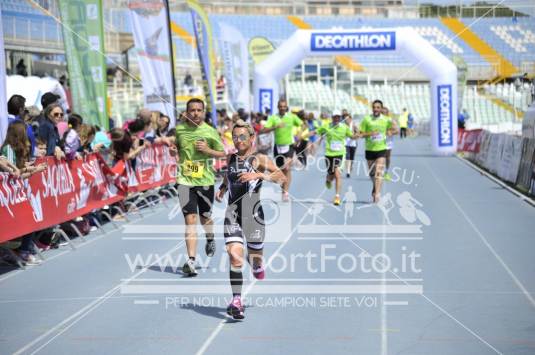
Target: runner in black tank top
{"type": "Point", "coordinates": [244, 218]}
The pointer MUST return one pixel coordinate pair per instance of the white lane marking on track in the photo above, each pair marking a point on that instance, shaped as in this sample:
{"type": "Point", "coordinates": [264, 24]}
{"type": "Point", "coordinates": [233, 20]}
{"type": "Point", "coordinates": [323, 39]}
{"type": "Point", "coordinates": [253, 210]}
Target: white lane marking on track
{"type": "Point", "coordinates": [484, 240]}
{"type": "Point", "coordinates": [396, 303]}
{"type": "Point", "coordinates": [440, 308]}
{"type": "Point", "coordinates": [432, 302]}
{"type": "Point", "coordinates": [384, 322]}
{"type": "Point", "coordinates": [497, 181]}
{"type": "Point", "coordinates": [360, 238]}
{"type": "Point", "coordinates": [54, 256]}
{"type": "Point", "coordinates": [446, 292]}
{"type": "Point", "coordinates": [461, 324]}
{"type": "Point", "coordinates": [62, 326]}
{"type": "Point", "coordinates": [437, 306]}
{"type": "Point", "coordinates": [146, 302]}
{"type": "Point", "coordinates": [86, 242]}
{"type": "Point", "coordinates": [60, 299]}
{"type": "Point", "coordinates": [221, 324]}
{"type": "Point", "coordinates": [277, 280]}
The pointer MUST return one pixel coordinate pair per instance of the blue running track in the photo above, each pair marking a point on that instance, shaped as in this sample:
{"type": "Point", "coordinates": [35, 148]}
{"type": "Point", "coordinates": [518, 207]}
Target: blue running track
{"type": "Point", "coordinates": [444, 266]}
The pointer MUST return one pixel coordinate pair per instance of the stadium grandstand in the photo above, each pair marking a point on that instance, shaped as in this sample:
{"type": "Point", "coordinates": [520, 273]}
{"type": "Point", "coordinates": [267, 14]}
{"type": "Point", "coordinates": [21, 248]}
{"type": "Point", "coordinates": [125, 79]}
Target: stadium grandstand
{"type": "Point", "coordinates": [493, 50]}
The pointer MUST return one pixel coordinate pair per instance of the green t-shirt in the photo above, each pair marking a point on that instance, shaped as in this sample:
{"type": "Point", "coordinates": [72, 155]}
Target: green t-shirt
{"type": "Point", "coordinates": [284, 135]}
{"type": "Point", "coordinates": [196, 168]}
{"type": "Point", "coordinates": [380, 125]}
{"type": "Point", "coordinates": [335, 138]}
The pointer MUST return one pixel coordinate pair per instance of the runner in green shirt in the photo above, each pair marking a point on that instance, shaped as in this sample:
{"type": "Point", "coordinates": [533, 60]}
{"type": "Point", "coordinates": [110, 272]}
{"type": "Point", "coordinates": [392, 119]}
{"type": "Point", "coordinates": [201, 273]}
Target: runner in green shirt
{"type": "Point", "coordinates": [197, 144]}
{"type": "Point", "coordinates": [335, 134]}
{"type": "Point", "coordinates": [283, 124]}
{"type": "Point", "coordinates": [375, 129]}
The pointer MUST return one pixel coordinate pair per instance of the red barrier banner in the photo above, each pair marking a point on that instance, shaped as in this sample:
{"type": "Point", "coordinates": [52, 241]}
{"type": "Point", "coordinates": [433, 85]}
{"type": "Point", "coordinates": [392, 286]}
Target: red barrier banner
{"type": "Point", "coordinates": [153, 167]}
{"type": "Point", "coordinates": [470, 141]}
{"type": "Point", "coordinates": [64, 191]}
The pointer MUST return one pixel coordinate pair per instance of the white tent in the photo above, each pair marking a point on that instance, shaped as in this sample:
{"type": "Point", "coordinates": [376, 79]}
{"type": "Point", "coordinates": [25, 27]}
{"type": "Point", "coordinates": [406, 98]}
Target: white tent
{"type": "Point", "coordinates": [33, 87]}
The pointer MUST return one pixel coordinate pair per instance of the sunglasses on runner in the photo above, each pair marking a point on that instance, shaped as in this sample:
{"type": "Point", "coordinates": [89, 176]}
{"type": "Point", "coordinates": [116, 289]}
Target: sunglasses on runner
{"type": "Point", "coordinates": [240, 138]}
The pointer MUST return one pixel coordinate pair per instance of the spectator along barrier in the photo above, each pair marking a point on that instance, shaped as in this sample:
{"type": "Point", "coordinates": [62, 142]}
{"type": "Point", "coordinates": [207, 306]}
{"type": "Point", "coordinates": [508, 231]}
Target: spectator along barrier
{"type": "Point", "coordinates": [70, 189]}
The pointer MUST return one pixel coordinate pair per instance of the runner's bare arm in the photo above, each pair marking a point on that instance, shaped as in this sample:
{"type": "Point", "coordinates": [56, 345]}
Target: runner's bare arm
{"type": "Point", "coordinates": [392, 131]}
{"type": "Point", "coordinates": [203, 147]}
{"type": "Point", "coordinates": [6, 165]}
{"type": "Point", "coordinates": [368, 134]}
{"type": "Point", "coordinates": [220, 194]}
{"type": "Point", "coordinates": [269, 170]}
{"type": "Point", "coordinates": [271, 128]}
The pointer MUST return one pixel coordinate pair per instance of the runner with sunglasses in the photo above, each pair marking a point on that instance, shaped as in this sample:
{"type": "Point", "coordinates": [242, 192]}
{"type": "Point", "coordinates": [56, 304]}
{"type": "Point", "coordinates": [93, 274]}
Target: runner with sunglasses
{"type": "Point", "coordinates": [244, 217]}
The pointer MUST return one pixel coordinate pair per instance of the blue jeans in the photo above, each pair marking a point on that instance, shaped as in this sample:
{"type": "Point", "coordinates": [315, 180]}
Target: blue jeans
{"type": "Point", "coordinates": [27, 244]}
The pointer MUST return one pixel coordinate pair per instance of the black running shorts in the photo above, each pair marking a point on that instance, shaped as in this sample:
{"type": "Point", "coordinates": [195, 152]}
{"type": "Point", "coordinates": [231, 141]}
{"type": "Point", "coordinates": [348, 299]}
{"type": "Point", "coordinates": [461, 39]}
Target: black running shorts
{"type": "Point", "coordinates": [196, 200]}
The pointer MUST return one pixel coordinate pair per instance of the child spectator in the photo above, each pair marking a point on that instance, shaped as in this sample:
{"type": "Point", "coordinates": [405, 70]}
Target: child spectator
{"type": "Point", "coordinates": [71, 137]}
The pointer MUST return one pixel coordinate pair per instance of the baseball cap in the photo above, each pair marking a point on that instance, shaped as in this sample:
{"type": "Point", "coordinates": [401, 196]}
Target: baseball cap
{"type": "Point", "coordinates": [336, 113]}
{"type": "Point", "coordinates": [48, 98]}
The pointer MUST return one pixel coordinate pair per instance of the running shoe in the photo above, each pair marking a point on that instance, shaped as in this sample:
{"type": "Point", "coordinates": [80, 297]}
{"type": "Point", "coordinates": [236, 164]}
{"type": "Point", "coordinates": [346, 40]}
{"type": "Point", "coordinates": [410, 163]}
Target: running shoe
{"type": "Point", "coordinates": [337, 200]}
{"type": "Point", "coordinates": [42, 246]}
{"type": "Point", "coordinates": [209, 248]}
{"type": "Point", "coordinates": [29, 258]}
{"type": "Point", "coordinates": [388, 177]}
{"type": "Point", "coordinates": [189, 268]}
{"type": "Point", "coordinates": [235, 308]}
{"type": "Point", "coordinates": [348, 175]}
{"type": "Point", "coordinates": [259, 273]}
{"type": "Point", "coordinates": [118, 218]}
{"type": "Point", "coordinates": [328, 184]}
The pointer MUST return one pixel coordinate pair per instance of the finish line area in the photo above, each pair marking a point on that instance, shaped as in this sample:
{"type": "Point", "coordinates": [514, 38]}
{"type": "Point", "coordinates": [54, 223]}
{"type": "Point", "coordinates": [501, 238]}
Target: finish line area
{"type": "Point", "coordinates": [452, 272]}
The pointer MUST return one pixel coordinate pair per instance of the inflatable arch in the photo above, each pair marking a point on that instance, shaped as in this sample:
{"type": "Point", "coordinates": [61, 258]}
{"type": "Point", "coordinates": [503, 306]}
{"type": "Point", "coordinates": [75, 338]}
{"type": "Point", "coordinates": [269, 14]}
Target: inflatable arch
{"type": "Point", "coordinates": [404, 41]}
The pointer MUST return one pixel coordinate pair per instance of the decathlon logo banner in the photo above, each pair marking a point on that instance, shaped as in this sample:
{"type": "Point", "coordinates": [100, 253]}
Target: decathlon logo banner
{"type": "Point", "coordinates": [266, 100]}
{"type": "Point", "coordinates": [357, 41]}
{"type": "Point", "coordinates": [445, 134]}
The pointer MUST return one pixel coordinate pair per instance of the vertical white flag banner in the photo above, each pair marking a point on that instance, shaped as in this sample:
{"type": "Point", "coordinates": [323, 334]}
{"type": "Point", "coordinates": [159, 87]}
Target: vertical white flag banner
{"type": "Point", "coordinates": [3, 90]}
{"type": "Point", "coordinates": [151, 38]}
{"type": "Point", "coordinates": [236, 60]}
